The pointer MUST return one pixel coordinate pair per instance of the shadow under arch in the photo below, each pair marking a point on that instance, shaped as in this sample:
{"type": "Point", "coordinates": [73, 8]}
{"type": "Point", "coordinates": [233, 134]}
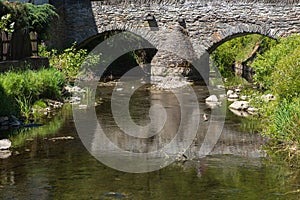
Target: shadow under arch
{"type": "Point", "coordinates": [139, 57]}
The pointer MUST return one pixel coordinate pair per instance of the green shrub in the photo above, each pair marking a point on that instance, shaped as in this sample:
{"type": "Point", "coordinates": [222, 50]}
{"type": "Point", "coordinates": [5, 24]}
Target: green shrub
{"type": "Point", "coordinates": [264, 64]}
{"type": "Point", "coordinates": [286, 76]}
{"type": "Point", "coordinates": [45, 83]}
{"type": "Point", "coordinates": [238, 50]}
{"type": "Point", "coordinates": [6, 103]}
{"type": "Point", "coordinates": [22, 88]}
{"type": "Point", "coordinates": [284, 121]}
{"type": "Point", "coordinates": [27, 16]}
{"type": "Point", "coordinates": [69, 61]}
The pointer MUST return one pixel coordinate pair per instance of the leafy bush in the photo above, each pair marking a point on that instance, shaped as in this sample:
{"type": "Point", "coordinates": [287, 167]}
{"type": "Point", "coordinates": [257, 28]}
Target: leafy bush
{"type": "Point", "coordinates": [265, 63]}
{"type": "Point", "coordinates": [238, 50]}
{"type": "Point", "coordinates": [45, 83]}
{"type": "Point", "coordinates": [69, 61]}
{"type": "Point", "coordinates": [28, 17]}
{"type": "Point", "coordinates": [6, 103]}
{"type": "Point", "coordinates": [286, 76]}
{"type": "Point", "coordinates": [284, 121]}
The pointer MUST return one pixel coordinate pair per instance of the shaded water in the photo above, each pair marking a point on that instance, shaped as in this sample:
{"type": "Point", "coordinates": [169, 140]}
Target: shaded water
{"type": "Point", "coordinates": [42, 168]}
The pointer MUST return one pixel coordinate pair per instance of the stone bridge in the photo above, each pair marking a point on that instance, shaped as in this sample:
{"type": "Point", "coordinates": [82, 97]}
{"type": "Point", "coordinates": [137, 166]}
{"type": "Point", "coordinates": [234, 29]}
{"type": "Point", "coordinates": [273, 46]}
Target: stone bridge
{"type": "Point", "coordinates": [185, 27]}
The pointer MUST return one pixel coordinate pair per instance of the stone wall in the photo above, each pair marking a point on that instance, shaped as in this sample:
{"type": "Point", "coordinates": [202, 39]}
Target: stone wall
{"type": "Point", "coordinates": [206, 23]}
{"type": "Point", "coordinates": [76, 23]}
{"type": "Point", "coordinates": [209, 23]}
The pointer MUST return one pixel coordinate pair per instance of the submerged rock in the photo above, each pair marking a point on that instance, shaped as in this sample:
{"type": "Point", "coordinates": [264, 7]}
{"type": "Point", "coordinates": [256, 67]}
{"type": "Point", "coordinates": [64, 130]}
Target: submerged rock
{"type": "Point", "coordinates": [113, 195]}
{"type": "Point", "coordinates": [62, 138]}
{"type": "Point", "coordinates": [14, 121]}
{"type": "Point", "coordinates": [212, 101]}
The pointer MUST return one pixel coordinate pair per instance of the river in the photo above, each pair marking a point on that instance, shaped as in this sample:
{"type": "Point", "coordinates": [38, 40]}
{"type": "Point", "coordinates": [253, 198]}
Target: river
{"type": "Point", "coordinates": [50, 162]}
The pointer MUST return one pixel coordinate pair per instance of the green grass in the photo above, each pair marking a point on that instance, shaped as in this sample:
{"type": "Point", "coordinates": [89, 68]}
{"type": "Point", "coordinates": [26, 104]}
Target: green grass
{"type": "Point", "coordinates": [22, 88]}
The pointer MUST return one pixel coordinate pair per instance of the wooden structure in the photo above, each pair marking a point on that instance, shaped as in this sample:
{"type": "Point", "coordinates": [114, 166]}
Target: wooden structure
{"type": "Point", "coordinates": [6, 47]}
{"type": "Point", "coordinates": [23, 56]}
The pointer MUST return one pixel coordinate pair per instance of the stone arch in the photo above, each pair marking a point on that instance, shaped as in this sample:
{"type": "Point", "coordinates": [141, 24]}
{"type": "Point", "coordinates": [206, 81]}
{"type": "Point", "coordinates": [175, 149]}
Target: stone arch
{"type": "Point", "coordinates": [144, 33]}
{"type": "Point", "coordinates": [113, 70]}
{"type": "Point", "coordinates": [218, 38]}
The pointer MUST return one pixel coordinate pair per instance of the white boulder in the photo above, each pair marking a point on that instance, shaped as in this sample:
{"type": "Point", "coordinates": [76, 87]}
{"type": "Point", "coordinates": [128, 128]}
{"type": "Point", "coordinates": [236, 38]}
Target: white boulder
{"type": "Point", "coordinates": [212, 98]}
{"type": "Point", "coordinates": [239, 105]}
{"type": "Point", "coordinates": [5, 144]}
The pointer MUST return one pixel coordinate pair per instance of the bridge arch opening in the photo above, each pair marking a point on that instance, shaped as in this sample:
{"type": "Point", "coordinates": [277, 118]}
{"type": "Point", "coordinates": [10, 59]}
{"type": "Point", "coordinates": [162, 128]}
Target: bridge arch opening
{"type": "Point", "coordinates": [222, 40]}
{"type": "Point", "coordinates": [233, 54]}
{"type": "Point", "coordinates": [138, 57]}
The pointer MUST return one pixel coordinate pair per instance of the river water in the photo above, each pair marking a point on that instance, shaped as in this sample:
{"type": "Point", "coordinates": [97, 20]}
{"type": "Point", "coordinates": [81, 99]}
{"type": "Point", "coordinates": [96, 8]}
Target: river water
{"type": "Point", "coordinates": [50, 162]}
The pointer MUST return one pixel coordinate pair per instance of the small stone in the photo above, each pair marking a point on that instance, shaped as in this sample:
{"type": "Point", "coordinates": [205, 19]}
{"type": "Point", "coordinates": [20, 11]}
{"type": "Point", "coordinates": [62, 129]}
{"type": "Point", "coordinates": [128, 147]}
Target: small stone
{"type": "Point", "coordinates": [239, 113]}
{"type": "Point", "coordinates": [5, 154]}
{"type": "Point", "coordinates": [233, 96]}
{"type": "Point", "coordinates": [81, 106]}
{"type": "Point", "coordinates": [239, 105]}
{"type": "Point", "coordinates": [212, 98]}
{"type": "Point", "coordinates": [220, 86]}
{"type": "Point", "coordinates": [243, 97]}
{"type": "Point", "coordinates": [237, 91]}
{"type": "Point", "coordinates": [222, 96]}
{"type": "Point", "coordinates": [252, 110]}
{"type": "Point", "coordinates": [229, 92]}
{"type": "Point", "coordinates": [268, 97]}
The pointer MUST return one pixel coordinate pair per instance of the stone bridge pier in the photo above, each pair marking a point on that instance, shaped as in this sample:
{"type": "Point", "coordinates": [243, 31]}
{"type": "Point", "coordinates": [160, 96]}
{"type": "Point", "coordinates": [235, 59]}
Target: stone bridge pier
{"type": "Point", "coordinates": [172, 65]}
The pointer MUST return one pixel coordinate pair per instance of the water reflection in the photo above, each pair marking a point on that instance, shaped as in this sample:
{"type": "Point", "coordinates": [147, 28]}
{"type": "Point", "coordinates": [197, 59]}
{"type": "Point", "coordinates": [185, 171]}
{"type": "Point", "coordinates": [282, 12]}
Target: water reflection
{"type": "Point", "coordinates": [66, 170]}
{"type": "Point", "coordinates": [231, 141]}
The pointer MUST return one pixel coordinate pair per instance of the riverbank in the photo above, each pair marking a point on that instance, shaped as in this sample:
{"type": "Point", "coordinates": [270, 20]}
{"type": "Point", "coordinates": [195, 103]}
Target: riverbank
{"type": "Point", "coordinates": [276, 78]}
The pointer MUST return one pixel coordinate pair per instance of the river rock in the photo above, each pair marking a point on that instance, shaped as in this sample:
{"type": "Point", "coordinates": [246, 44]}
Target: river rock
{"type": "Point", "coordinates": [220, 86]}
{"type": "Point", "coordinates": [5, 154]}
{"type": "Point", "coordinates": [222, 96]}
{"type": "Point", "coordinates": [237, 91]}
{"type": "Point", "coordinates": [229, 92]}
{"type": "Point", "coordinates": [212, 98]}
{"type": "Point", "coordinates": [233, 96]}
{"type": "Point", "coordinates": [243, 97]}
{"type": "Point", "coordinates": [74, 89]}
{"type": "Point", "coordinates": [14, 121]}
{"type": "Point", "coordinates": [239, 113]}
{"type": "Point", "coordinates": [5, 144]}
{"type": "Point", "coordinates": [268, 97]}
{"type": "Point", "coordinates": [213, 105]}
{"type": "Point", "coordinates": [252, 110]}
{"type": "Point", "coordinates": [239, 105]}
